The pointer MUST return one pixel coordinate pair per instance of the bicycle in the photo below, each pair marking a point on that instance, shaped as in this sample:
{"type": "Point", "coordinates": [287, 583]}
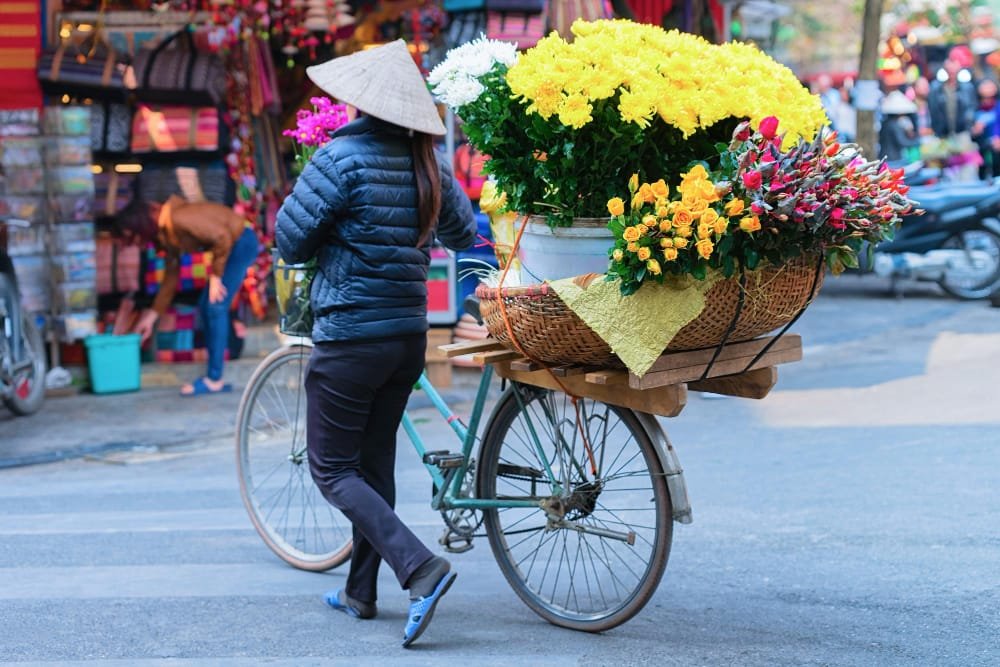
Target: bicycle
{"type": "Point", "coordinates": [22, 349]}
{"type": "Point", "coordinates": [577, 501]}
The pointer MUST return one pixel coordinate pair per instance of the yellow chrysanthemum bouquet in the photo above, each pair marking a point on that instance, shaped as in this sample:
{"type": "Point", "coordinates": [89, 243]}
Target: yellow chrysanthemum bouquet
{"type": "Point", "coordinates": [565, 123]}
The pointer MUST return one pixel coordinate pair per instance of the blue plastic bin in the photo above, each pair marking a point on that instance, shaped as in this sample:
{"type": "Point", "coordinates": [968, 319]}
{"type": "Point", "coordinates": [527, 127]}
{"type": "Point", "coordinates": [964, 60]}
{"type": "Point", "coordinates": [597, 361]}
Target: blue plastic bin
{"type": "Point", "coordinates": [114, 363]}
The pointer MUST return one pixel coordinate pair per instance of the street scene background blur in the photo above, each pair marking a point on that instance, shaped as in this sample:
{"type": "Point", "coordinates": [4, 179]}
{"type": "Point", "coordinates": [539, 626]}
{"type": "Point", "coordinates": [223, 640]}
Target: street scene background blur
{"type": "Point", "coordinates": [848, 518]}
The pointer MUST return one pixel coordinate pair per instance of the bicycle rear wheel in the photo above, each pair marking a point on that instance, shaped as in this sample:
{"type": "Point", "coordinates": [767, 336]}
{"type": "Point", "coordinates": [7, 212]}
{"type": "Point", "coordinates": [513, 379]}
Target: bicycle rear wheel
{"type": "Point", "coordinates": [593, 554]}
{"type": "Point", "coordinates": [286, 507]}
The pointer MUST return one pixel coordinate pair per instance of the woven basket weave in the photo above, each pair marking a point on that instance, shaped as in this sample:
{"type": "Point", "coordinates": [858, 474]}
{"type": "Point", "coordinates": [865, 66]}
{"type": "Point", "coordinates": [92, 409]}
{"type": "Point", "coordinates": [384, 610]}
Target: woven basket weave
{"type": "Point", "coordinates": [547, 330]}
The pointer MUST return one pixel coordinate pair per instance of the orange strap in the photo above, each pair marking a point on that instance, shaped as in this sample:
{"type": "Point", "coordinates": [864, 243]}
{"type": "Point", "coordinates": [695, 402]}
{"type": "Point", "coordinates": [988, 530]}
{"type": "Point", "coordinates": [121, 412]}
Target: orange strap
{"type": "Point", "coordinates": [513, 339]}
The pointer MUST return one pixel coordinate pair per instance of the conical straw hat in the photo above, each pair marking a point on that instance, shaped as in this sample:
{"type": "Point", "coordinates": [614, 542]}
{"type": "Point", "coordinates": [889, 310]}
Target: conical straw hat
{"type": "Point", "coordinates": [383, 82]}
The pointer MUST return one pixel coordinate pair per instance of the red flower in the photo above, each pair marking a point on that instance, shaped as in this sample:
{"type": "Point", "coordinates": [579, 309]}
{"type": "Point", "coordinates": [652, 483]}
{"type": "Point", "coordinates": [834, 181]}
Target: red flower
{"type": "Point", "coordinates": [752, 180]}
{"type": "Point", "coordinates": [756, 208]}
{"type": "Point", "coordinates": [768, 127]}
{"type": "Point", "coordinates": [743, 131]}
{"type": "Point", "coordinates": [837, 218]}
{"type": "Point", "coordinates": [832, 149]}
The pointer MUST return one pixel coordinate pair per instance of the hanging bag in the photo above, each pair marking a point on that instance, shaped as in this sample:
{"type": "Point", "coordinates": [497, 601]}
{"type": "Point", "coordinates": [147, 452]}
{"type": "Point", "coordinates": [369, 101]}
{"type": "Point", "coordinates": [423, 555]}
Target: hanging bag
{"type": "Point", "coordinates": [110, 127]}
{"type": "Point", "coordinates": [174, 129]}
{"type": "Point", "coordinates": [522, 29]}
{"type": "Point", "coordinates": [562, 14]}
{"type": "Point", "coordinates": [90, 69]}
{"type": "Point", "coordinates": [180, 72]}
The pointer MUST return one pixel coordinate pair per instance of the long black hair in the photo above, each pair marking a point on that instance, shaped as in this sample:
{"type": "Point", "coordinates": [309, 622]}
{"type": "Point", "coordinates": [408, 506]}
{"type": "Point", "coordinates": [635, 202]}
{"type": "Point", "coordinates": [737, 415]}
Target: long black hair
{"type": "Point", "coordinates": [425, 169]}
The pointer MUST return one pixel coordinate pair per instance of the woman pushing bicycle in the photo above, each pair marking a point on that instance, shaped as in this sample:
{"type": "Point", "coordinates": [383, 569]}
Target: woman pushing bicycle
{"type": "Point", "coordinates": [367, 207]}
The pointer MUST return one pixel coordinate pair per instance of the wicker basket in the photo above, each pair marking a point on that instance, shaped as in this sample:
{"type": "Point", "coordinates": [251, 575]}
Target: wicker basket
{"type": "Point", "coordinates": [549, 331]}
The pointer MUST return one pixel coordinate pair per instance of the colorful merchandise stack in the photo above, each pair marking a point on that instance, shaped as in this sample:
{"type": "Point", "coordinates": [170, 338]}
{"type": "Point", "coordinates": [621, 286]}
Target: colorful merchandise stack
{"type": "Point", "coordinates": [22, 196]}
{"type": "Point", "coordinates": [69, 184]}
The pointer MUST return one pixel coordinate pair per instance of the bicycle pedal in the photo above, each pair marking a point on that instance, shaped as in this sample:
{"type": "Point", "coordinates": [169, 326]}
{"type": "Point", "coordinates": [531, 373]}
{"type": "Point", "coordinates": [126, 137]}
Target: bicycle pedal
{"type": "Point", "coordinates": [454, 543]}
{"type": "Point", "coordinates": [444, 460]}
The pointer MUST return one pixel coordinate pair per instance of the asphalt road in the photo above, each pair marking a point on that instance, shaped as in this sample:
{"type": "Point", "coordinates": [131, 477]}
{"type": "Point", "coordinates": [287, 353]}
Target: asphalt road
{"type": "Point", "coordinates": [851, 518]}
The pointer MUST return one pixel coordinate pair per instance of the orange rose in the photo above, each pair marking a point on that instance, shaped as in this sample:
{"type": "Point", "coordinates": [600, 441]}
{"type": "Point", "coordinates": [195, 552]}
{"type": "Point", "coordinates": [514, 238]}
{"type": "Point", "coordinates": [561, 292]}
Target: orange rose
{"type": "Point", "coordinates": [684, 232]}
{"type": "Point", "coordinates": [644, 253]}
{"type": "Point", "coordinates": [665, 226]}
{"type": "Point", "coordinates": [660, 189]}
{"type": "Point", "coordinates": [631, 234]}
{"type": "Point", "coordinates": [720, 225]}
{"type": "Point", "coordinates": [636, 201]}
{"type": "Point", "coordinates": [670, 254]}
{"type": "Point", "coordinates": [704, 231]}
{"type": "Point", "coordinates": [650, 220]}
{"type": "Point", "coordinates": [646, 191]}
{"type": "Point", "coordinates": [705, 248]}
{"type": "Point", "coordinates": [653, 267]}
{"type": "Point", "coordinates": [633, 183]}
{"type": "Point", "coordinates": [683, 217]}
{"type": "Point", "coordinates": [709, 216]}
{"type": "Point", "coordinates": [734, 207]}
{"type": "Point", "coordinates": [616, 206]}
{"type": "Point", "coordinates": [662, 211]}
{"type": "Point", "coordinates": [750, 223]}
{"type": "Point", "coordinates": [680, 242]}
{"type": "Point", "coordinates": [632, 246]}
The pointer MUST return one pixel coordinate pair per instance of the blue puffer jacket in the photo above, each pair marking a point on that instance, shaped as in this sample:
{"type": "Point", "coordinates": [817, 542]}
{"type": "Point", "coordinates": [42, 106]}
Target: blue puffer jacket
{"type": "Point", "coordinates": [354, 208]}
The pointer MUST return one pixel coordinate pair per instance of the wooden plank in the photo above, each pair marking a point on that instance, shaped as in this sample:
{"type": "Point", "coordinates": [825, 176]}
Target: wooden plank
{"type": "Point", "coordinates": [607, 377]}
{"type": "Point", "coordinates": [496, 356]}
{"type": "Point", "coordinates": [567, 371]}
{"type": "Point", "coordinates": [664, 401]}
{"type": "Point", "coordinates": [752, 384]}
{"type": "Point", "coordinates": [525, 365]}
{"type": "Point", "coordinates": [750, 348]}
{"type": "Point", "coordinates": [469, 347]}
{"type": "Point", "coordinates": [719, 368]}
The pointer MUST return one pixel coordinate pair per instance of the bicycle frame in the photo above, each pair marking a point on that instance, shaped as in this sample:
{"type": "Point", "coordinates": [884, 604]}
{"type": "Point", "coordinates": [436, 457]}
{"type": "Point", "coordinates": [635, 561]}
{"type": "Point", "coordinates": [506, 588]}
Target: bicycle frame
{"type": "Point", "coordinates": [447, 496]}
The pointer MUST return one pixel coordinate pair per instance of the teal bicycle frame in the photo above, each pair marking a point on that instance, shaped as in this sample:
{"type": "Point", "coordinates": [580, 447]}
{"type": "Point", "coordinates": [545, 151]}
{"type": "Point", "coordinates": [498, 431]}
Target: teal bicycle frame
{"type": "Point", "coordinates": [448, 495]}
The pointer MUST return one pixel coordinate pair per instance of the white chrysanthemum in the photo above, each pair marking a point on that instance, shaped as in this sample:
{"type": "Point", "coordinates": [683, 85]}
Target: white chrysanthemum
{"type": "Point", "coordinates": [462, 91]}
{"type": "Point", "coordinates": [456, 80]}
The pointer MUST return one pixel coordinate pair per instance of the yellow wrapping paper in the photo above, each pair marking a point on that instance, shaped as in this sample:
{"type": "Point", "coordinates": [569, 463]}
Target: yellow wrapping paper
{"type": "Point", "coordinates": [638, 327]}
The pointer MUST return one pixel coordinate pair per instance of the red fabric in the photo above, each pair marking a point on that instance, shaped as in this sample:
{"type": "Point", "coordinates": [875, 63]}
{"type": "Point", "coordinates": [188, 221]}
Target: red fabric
{"type": "Point", "coordinates": [653, 11]}
{"type": "Point", "coordinates": [20, 43]}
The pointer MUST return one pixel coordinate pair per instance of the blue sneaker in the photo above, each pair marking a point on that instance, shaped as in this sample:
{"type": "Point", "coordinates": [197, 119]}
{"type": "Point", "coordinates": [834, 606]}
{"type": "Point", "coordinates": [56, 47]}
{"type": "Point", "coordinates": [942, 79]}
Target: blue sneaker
{"type": "Point", "coordinates": [422, 610]}
{"type": "Point", "coordinates": [341, 601]}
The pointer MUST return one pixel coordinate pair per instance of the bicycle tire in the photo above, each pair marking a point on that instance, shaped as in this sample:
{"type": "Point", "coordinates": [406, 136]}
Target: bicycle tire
{"type": "Point", "coordinates": [32, 401]}
{"type": "Point", "coordinates": [264, 443]}
{"type": "Point", "coordinates": [500, 445]}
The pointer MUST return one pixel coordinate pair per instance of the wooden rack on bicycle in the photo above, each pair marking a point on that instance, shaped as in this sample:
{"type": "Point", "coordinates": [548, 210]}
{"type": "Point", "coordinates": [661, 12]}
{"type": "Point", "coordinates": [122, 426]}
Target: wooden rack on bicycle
{"type": "Point", "coordinates": [663, 389]}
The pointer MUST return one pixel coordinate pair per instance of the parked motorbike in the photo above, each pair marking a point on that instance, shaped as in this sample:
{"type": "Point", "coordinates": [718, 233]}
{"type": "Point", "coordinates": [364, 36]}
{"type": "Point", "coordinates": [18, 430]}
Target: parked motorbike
{"type": "Point", "coordinates": [22, 350]}
{"type": "Point", "coordinates": [956, 242]}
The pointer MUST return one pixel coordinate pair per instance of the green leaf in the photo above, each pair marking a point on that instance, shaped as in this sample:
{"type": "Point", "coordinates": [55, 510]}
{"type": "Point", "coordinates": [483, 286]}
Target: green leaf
{"type": "Point", "coordinates": [698, 271]}
{"type": "Point", "coordinates": [752, 258]}
{"type": "Point", "coordinates": [616, 226]}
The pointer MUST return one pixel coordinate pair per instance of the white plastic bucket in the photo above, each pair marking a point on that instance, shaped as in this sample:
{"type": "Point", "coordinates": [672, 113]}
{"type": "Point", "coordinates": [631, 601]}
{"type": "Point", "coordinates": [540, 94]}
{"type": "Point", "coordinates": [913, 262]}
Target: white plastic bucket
{"type": "Point", "coordinates": [562, 252]}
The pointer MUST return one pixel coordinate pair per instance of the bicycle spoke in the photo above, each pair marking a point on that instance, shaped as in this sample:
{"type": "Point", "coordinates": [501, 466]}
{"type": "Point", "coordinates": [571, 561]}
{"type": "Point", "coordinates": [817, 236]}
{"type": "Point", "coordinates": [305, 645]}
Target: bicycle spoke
{"type": "Point", "coordinates": [599, 460]}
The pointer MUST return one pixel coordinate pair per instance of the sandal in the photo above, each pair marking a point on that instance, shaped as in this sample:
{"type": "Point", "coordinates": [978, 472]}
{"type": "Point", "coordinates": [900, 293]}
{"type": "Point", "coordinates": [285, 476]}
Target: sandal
{"type": "Point", "coordinates": [200, 388]}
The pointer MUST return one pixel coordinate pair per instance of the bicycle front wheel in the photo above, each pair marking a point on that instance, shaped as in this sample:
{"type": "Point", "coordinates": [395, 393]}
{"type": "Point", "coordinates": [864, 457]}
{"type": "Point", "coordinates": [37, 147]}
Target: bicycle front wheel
{"type": "Point", "coordinates": [285, 505]}
{"type": "Point", "coordinates": [594, 552]}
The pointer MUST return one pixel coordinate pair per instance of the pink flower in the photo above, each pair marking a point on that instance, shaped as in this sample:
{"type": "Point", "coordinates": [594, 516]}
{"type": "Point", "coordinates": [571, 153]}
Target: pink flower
{"type": "Point", "coordinates": [768, 127]}
{"type": "Point", "coordinates": [837, 219]}
{"type": "Point", "coordinates": [743, 131]}
{"type": "Point", "coordinates": [752, 180]}
{"type": "Point", "coordinates": [757, 208]}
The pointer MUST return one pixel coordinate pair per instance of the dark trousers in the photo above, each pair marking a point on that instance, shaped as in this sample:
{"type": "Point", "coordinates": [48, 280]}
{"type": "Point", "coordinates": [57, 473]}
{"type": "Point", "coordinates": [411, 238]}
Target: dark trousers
{"type": "Point", "coordinates": [356, 393]}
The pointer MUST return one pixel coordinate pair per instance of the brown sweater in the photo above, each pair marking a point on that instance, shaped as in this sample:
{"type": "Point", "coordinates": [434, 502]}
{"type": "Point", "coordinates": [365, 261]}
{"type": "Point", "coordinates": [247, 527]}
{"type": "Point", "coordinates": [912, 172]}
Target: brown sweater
{"type": "Point", "coordinates": [187, 227]}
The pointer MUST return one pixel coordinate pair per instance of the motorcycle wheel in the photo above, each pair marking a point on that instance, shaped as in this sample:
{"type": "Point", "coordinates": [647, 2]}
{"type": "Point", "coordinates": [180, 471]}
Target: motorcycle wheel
{"type": "Point", "coordinates": [980, 274]}
{"type": "Point", "coordinates": [28, 389]}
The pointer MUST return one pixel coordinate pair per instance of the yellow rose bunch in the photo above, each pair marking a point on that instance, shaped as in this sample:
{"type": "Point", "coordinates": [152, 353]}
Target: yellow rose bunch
{"type": "Point", "coordinates": [658, 236]}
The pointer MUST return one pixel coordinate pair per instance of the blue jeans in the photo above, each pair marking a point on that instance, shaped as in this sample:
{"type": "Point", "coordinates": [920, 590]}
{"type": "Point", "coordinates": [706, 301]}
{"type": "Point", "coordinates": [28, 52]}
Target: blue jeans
{"type": "Point", "coordinates": [215, 316]}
